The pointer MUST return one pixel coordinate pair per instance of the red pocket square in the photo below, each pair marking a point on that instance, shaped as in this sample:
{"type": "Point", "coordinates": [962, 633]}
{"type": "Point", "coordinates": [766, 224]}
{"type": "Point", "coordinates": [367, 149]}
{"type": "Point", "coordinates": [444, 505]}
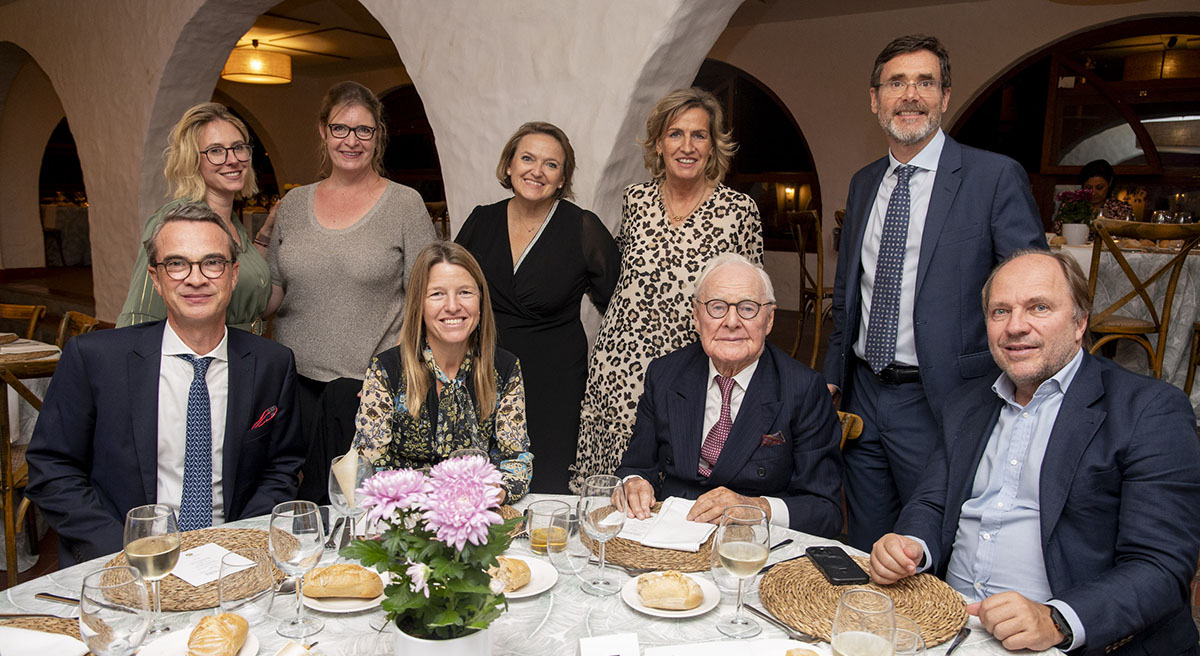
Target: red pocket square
{"type": "Point", "coordinates": [774, 439]}
{"type": "Point", "coordinates": [266, 416]}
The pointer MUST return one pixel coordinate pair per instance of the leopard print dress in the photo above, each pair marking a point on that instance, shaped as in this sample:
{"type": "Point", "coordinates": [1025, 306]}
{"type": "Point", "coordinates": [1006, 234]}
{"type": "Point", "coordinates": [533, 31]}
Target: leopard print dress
{"type": "Point", "coordinates": [650, 313]}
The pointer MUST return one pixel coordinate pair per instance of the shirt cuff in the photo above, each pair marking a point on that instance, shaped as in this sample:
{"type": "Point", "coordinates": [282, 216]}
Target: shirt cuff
{"type": "Point", "coordinates": [779, 512]}
{"type": "Point", "coordinates": [1080, 637]}
{"type": "Point", "coordinates": [927, 559]}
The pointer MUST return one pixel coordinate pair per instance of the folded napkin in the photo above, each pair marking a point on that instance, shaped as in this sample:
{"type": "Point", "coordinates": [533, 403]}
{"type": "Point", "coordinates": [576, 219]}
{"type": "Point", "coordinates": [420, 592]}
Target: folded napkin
{"type": "Point", "coordinates": [24, 641]}
{"type": "Point", "coordinates": [669, 528]}
{"type": "Point", "coordinates": [26, 346]}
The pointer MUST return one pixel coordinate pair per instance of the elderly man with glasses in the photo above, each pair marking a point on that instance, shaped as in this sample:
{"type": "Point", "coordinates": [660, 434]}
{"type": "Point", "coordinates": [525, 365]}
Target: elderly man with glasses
{"type": "Point", "coordinates": [734, 420]}
{"type": "Point", "coordinates": [184, 412]}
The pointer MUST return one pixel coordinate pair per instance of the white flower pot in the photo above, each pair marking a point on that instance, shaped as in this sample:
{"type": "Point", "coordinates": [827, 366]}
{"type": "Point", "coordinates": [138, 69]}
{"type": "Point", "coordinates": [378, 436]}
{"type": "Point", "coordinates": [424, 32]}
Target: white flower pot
{"type": "Point", "coordinates": [1076, 234]}
{"type": "Point", "coordinates": [474, 644]}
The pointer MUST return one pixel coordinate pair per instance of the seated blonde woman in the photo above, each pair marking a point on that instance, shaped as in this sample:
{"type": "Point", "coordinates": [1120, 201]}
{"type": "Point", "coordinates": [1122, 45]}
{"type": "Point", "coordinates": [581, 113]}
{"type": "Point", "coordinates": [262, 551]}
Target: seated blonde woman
{"type": "Point", "coordinates": [468, 393]}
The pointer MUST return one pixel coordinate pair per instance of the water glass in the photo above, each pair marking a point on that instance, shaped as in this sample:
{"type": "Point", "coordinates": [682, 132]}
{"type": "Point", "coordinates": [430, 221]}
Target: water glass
{"type": "Point", "coordinates": [599, 501]}
{"type": "Point", "coordinates": [114, 611]}
{"type": "Point", "coordinates": [574, 556]}
{"type": "Point", "coordinates": [247, 584]}
{"type": "Point", "coordinates": [543, 536]}
{"type": "Point", "coordinates": [743, 543]}
{"type": "Point", "coordinates": [865, 624]}
{"type": "Point", "coordinates": [343, 500]}
{"type": "Point", "coordinates": [152, 545]}
{"type": "Point", "coordinates": [297, 542]}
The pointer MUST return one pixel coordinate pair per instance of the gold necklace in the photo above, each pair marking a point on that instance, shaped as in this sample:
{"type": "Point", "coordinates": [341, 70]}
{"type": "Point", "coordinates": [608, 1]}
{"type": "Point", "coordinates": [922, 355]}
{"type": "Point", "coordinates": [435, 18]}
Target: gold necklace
{"type": "Point", "coordinates": [677, 219]}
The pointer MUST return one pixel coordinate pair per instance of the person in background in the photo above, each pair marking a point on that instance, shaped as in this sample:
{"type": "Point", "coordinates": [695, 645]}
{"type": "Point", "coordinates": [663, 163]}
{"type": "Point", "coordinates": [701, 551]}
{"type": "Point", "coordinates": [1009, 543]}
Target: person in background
{"type": "Point", "coordinates": [541, 253]}
{"type": "Point", "coordinates": [1063, 499]}
{"type": "Point", "coordinates": [670, 227]}
{"type": "Point", "coordinates": [446, 386]}
{"type": "Point", "coordinates": [340, 254]}
{"type": "Point", "coordinates": [924, 226]}
{"type": "Point", "coordinates": [1097, 176]}
{"type": "Point", "coordinates": [208, 161]}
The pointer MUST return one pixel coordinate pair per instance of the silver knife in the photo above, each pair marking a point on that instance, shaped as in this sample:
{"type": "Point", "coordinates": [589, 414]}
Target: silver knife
{"type": "Point", "coordinates": [346, 534]}
{"type": "Point", "coordinates": [958, 640]}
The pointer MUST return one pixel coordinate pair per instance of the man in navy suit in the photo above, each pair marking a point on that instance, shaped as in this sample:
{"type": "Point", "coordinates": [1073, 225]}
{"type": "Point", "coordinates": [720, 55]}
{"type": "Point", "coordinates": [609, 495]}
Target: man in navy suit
{"type": "Point", "coordinates": [183, 412]}
{"type": "Point", "coordinates": [924, 227]}
{"type": "Point", "coordinates": [734, 420]}
{"type": "Point", "coordinates": [1064, 497]}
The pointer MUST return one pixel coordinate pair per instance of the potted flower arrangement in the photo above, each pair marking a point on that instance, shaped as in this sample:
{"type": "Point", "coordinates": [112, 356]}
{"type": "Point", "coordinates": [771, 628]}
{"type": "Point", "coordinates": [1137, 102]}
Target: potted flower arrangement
{"type": "Point", "coordinates": [441, 534]}
{"type": "Point", "coordinates": [1075, 214]}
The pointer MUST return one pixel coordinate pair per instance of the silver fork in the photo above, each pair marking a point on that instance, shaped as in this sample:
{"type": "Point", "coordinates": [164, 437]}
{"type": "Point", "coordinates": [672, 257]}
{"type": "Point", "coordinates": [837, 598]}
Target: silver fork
{"type": "Point", "coordinates": [791, 633]}
{"type": "Point", "coordinates": [330, 543]}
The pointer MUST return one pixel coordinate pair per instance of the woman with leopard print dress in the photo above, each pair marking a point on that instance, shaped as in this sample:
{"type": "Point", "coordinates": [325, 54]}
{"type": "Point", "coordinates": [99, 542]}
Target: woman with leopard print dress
{"type": "Point", "coordinates": [670, 227]}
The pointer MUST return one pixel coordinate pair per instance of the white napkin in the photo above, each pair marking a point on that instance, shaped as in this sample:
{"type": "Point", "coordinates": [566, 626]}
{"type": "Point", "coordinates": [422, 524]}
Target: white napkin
{"type": "Point", "coordinates": [26, 346]}
{"type": "Point", "coordinates": [669, 528]}
{"type": "Point", "coordinates": [24, 641]}
{"type": "Point", "coordinates": [345, 471]}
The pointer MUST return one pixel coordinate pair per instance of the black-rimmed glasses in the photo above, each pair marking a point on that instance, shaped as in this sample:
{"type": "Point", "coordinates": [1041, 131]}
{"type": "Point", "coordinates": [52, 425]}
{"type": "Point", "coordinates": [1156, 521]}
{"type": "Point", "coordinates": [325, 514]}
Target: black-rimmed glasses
{"type": "Point", "coordinates": [746, 309]}
{"type": "Point", "coordinates": [218, 155]}
{"type": "Point", "coordinates": [178, 268]}
{"type": "Point", "coordinates": [363, 132]}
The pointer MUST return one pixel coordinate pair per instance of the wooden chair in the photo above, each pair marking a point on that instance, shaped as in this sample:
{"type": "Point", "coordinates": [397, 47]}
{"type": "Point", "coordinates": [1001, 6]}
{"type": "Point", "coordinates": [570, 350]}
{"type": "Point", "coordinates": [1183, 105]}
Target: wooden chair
{"type": "Point", "coordinates": [14, 472]}
{"type": "Point", "coordinates": [852, 426]}
{"type": "Point", "coordinates": [74, 323]}
{"type": "Point", "coordinates": [806, 233]}
{"type": "Point", "coordinates": [1193, 358]}
{"type": "Point", "coordinates": [1108, 325]}
{"type": "Point", "coordinates": [30, 313]}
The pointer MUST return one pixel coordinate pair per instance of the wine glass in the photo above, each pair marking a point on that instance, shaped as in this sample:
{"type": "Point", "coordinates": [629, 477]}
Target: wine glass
{"type": "Point", "coordinates": [601, 496]}
{"type": "Point", "coordinates": [342, 499]}
{"type": "Point", "coordinates": [247, 584]}
{"type": "Point", "coordinates": [908, 641]}
{"type": "Point", "coordinates": [742, 543]}
{"type": "Point", "coordinates": [113, 611]}
{"type": "Point", "coordinates": [865, 624]}
{"type": "Point", "coordinates": [296, 542]}
{"type": "Point", "coordinates": [574, 556]}
{"type": "Point", "coordinates": [152, 546]}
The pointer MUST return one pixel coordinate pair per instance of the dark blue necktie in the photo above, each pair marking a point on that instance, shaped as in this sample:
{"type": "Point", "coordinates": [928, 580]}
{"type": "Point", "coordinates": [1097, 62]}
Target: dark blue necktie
{"type": "Point", "coordinates": [889, 268]}
{"type": "Point", "coordinates": [195, 507]}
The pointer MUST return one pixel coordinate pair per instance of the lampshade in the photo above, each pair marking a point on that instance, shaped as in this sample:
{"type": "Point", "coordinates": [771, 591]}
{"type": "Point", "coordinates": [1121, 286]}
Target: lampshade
{"type": "Point", "coordinates": [255, 66]}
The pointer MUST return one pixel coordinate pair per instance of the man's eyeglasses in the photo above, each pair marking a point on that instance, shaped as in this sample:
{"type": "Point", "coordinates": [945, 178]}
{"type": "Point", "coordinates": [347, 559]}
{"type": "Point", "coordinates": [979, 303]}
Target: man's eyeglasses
{"type": "Point", "coordinates": [178, 268]}
{"type": "Point", "coordinates": [363, 132]}
{"type": "Point", "coordinates": [218, 155]}
{"type": "Point", "coordinates": [746, 309]}
{"type": "Point", "coordinates": [896, 88]}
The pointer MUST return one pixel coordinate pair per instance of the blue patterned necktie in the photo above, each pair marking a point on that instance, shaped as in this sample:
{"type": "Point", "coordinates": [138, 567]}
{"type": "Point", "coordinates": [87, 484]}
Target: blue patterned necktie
{"type": "Point", "coordinates": [889, 268]}
{"type": "Point", "coordinates": [195, 507]}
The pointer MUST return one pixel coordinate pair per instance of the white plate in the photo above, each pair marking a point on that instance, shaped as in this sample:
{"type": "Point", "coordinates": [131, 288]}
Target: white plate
{"type": "Point", "coordinates": [542, 577]}
{"type": "Point", "coordinates": [712, 597]}
{"type": "Point", "coordinates": [344, 604]}
{"type": "Point", "coordinates": [175, 644]}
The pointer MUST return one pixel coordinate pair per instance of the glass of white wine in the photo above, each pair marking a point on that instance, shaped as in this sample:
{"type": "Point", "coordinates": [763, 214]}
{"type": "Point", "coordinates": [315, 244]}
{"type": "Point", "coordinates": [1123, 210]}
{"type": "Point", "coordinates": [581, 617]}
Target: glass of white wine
{"type": "Point", "coordinates": [865, 624]}
{"type": "Point", "coordinates": [742, 542]}
{"type": "Point", "coordinates": [602, 495]}
{"type": "Point", "coordinates": [112, 611]}
{"type": "Point", "coordinates": [297, 543]}
{"type": "Point", "coordinates": [152, 546]}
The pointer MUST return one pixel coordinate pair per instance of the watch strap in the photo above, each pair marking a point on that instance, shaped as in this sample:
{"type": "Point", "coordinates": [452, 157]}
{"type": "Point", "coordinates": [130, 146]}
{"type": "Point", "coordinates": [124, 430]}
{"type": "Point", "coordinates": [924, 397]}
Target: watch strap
{"type": "Point", "coordinates": [1063, 627]}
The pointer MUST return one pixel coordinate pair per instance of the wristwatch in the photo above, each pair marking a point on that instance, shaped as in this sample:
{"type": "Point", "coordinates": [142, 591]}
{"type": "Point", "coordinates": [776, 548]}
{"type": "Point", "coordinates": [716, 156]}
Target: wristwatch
{"type": "Point", "coordinates": [1063, 627]}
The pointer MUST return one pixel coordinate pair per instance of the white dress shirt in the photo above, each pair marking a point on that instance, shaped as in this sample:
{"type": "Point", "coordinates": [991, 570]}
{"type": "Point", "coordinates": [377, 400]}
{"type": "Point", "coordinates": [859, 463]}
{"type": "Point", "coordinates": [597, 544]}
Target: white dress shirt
{"type": "Point", "coordinates": [174, 382]}
{"type": "Point", "coordinates": [920, 187]}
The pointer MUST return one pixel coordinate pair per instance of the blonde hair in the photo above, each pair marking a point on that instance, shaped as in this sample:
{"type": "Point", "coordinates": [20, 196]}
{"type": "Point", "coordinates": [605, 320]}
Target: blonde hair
{"type": "Point", "coordinates": [182, 154]}
{"type": "Point", "coordinates": [668, 110]}
{"type": "Point", "coordinates": [482, 344]}
{"type": "Point", "coordinates": [550, 130]}
{"type": "Point", "coordinates": [349, 94]}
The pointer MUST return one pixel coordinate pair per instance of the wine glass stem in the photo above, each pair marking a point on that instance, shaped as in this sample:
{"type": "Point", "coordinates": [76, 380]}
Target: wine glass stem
{"type": "Point", "coordinates": [157, 623]}
{"type": "Point", "coordinates": [737, 616]}
{"type": "Point", "coordinates": [600, 574]}
{"type": "Point", "coordinates": [299, 599]}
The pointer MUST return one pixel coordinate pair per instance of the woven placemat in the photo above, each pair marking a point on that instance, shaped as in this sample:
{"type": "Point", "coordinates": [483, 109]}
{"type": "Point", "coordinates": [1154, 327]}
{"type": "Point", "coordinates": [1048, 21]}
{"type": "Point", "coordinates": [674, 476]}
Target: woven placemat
{"type": "Point", "coordinates": [7, 338]}
{"type": "Point", "coordinates": [798, 594]}
{"type": "Point", "coordinates": [22, 357]}
{"type": "Point", "coordinates": [178, 595]}
{"type": "Point", "coordinates": [62, 626]}
{"type": "Point", "coordinates": [628, 553]}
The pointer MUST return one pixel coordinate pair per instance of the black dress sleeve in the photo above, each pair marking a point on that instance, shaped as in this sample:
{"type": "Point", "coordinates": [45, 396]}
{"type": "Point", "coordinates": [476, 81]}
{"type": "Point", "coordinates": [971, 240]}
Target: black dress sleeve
{"type": "Point", "coordinates": [601, 258]}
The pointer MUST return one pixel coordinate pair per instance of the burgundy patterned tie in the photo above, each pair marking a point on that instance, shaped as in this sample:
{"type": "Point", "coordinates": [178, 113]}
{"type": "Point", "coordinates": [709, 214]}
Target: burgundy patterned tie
{"type": "Point", "coordinates": [711, 449]}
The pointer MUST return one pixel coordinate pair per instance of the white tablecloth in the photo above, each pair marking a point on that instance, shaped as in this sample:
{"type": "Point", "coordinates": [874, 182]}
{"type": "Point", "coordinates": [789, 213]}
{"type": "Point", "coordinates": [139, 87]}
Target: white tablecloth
{"type": "Point", "coordinates": [549, 624]}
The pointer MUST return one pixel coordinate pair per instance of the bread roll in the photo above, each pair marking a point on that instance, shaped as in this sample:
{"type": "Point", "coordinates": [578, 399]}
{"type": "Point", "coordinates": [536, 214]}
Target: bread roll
{"type": "Point", "coordinates": [513, 571]}
{"type": "Point", "coordinates": [218, 635]}
{"type": "Point", "coordinates": [669, 590]}
{"type": "Point", "coordinates": [343, 580]}
{"type": "Point", "coordinates": [800, 652]}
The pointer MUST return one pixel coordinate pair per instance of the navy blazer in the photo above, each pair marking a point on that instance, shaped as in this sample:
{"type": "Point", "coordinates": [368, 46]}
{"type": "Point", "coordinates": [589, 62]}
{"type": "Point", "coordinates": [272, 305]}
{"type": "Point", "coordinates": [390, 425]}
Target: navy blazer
{"type": "Point", "coordinates": [787, 403]}
{"type": "Point", "coordinates": [94, 451]}
{"type": "Point", "coordinates": [1119, 496]}
{"type": "Point", "coordinates": [979, 212]}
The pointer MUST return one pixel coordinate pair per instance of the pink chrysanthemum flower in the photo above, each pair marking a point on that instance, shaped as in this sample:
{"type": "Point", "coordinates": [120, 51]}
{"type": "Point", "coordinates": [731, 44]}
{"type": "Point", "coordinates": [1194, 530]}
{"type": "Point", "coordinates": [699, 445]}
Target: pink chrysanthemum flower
{"type": "Point", "coordinates": [419, 573]}
{"type": "Point", "coordinates": [389, 491]}
{"type": "Point", "coordinates": [462, 491]}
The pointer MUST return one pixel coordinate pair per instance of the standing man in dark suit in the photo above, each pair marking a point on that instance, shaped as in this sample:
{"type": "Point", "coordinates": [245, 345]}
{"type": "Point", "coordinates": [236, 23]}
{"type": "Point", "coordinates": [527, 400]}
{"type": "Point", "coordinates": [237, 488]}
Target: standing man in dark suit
{"type": "Point", "coordinates": [924, 227]}
{"type": "Point", "coordinates": [1064, 496]}
{"type": "Point", "coordinates": [184, 412]}
{"type": "Point", "coordinates": [734, 420]}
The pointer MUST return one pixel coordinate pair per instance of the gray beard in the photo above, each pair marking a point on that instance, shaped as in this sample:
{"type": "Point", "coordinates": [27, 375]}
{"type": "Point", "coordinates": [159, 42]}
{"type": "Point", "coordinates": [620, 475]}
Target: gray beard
{"type": "Point", "coordinates": [908, 138]}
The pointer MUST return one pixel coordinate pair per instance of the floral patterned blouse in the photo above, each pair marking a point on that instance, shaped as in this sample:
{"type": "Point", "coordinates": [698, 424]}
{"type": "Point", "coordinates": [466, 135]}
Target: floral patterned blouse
{"type": "Point", "coordinates": [393, 439]}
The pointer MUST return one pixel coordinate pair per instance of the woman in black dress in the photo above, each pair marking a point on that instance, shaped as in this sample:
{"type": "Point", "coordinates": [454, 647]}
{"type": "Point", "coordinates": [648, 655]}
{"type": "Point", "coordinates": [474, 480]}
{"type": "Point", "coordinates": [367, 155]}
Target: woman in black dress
{"type": "Point", "coordinates": [540, 254]}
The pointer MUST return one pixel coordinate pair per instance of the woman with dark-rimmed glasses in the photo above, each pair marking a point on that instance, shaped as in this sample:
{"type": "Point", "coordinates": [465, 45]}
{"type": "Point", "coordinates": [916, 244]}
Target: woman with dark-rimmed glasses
{"type": "Point", "coordinates": [208, 161]}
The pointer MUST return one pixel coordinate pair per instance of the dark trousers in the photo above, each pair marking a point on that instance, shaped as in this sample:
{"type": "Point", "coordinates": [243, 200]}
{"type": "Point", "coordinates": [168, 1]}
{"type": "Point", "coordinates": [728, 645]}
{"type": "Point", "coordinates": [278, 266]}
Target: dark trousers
{"type": "Point", "coordinates": [327, 411]}
{"type": "Point", "coordinates": [884, 465]}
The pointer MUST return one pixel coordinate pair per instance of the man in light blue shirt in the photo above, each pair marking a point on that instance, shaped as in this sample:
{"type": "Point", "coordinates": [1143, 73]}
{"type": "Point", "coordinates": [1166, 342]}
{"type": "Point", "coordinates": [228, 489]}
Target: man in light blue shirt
{"type": "Point", "coordinates": [1064, 500]}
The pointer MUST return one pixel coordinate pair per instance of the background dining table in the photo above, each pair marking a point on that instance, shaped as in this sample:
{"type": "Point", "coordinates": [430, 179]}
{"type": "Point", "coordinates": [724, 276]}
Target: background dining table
{"type": "Point", "coordinates": [549, 624]}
